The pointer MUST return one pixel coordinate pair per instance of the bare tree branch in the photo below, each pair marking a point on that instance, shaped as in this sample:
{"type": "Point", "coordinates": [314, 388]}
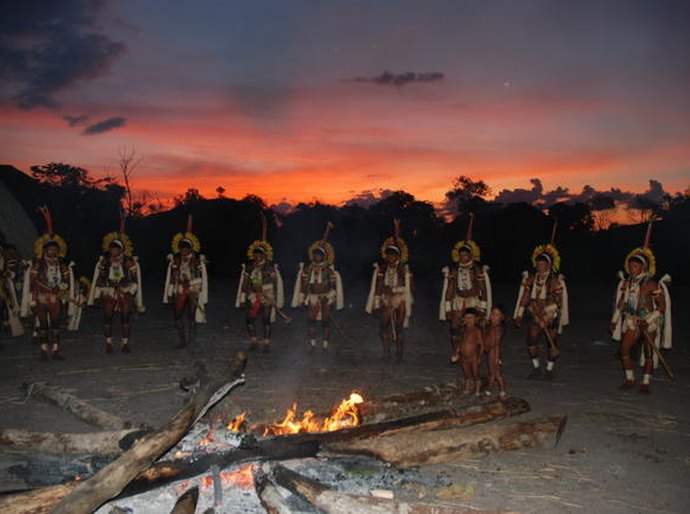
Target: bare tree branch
{"type": "Point", "coordinates": [128, 162]}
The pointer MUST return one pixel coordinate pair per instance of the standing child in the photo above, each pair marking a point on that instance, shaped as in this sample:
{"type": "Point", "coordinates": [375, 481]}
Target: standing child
{"type": "Point", "coordinates": [493, 336]}
{"type": "Point", "coordinates": [471, 348]}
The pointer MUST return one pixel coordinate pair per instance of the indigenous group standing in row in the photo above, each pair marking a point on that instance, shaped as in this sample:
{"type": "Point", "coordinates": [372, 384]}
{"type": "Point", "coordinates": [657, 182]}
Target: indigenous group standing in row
{"type": "Point", "coordinates": [49, 293]}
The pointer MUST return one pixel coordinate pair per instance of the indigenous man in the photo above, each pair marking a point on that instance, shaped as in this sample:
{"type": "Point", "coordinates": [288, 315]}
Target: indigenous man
{"type": "Point", "coordinates": [390, 295]}
{"type": "Point", "coordinates": [544, 296]}
{"type": "Point", "coordinates": [260, 291]}
{"type": "Point", "coordinates": [48, 287]}
{"type": "Point", "coordinates": [318, 287]}
{"type": "Point", "coordinates": [466, 285]}
{"type": "Point", "coordinates": [186, 284]}
{"type": "Point", "coordinates": [9, 303]}
{"type": "Point", "coordinates": [117, 284]}
{"type": "Point", "coordinates": [642, 313]}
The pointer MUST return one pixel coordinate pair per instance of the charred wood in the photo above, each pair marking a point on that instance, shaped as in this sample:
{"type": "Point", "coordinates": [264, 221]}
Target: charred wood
{"type": "Point", "coordinates": [22, 471]}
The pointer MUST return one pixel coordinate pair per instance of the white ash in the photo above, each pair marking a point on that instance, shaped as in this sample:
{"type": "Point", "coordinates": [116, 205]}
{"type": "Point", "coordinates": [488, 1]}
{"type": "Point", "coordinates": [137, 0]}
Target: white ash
{"type": "Point", "coordinates": [205, 438]}
{"type": "Point", "coordinates": [162, 500]}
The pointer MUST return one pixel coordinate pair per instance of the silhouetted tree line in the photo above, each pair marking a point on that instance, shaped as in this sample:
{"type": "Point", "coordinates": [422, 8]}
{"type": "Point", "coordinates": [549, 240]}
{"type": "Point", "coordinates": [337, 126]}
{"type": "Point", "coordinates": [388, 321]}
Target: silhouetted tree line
{"type": "Point", "coordinates": [84, 210]}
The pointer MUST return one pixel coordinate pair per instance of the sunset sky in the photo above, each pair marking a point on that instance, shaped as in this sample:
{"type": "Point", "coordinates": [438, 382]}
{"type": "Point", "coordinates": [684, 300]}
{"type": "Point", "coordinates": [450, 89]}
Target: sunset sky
{"type": "Point", "coordinates": [329, 100]}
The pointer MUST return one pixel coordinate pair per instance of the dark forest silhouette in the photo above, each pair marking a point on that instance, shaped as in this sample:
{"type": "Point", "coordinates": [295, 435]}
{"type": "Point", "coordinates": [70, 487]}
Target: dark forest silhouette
{"type": "Point", "coordinates": [85, 209]}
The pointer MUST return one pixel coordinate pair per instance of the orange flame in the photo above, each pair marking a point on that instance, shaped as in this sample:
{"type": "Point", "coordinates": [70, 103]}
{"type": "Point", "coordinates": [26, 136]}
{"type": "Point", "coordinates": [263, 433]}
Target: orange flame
{"type": "Point", "coordinates": [345, 415]}
{"type": "Point", "coordinates": [237, 422]}
{"type": "Point", "coordinates": [242, 477]}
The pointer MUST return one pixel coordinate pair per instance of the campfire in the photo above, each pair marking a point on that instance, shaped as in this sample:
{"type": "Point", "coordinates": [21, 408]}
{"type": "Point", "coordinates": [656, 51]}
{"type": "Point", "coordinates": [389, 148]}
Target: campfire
{"type": "Point", "coordinates": [215, 463]}
{"type": "Point", "coordinates": [345, 415]}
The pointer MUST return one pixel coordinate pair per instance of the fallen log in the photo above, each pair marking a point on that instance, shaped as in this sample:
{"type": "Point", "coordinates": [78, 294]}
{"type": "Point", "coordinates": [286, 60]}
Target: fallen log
{"type": "Point", "coordinates": [99, 443]}
{"type": "Point", "coordinates": [406, 450]}
{"type": "Point", "coordinates": [112, 479]}
{"type": "Point", "coordinates": [333, 502]}
{"type": "Point", "coordinates": [40, 501]}
{"type": "Point", "coordinates": [76, 407]}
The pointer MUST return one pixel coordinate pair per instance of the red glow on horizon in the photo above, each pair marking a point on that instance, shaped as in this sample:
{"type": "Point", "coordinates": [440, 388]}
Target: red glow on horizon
{"type": "Point", "coordinates": [332, 145]}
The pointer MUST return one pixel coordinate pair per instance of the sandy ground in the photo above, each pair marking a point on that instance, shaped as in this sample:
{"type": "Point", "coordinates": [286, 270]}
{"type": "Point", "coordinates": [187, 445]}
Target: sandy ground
{"type": "Point", "coordinates": [621, 451]}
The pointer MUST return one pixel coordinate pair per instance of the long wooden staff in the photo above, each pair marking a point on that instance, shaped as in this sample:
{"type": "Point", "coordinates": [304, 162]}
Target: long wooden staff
{"type": "Point", "coordinates": [394, 332]}
{"type": "Point", "coordinates": [337, 326]}
{"type": "Point", "coordinates": [648, 341]}
{"type": "Point", "coordinates": [285, 317]}
{"type": "Point", "coordinates": [549, 338]}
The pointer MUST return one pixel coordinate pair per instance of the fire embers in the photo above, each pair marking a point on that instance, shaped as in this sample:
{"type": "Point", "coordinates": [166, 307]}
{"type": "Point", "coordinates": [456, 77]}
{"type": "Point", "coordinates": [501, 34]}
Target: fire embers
{"type": "Point", "coordinates": [242, 477]}
{"type": "Point", "coordinates": [237, 424]}
{"type": "Point", "coordinates": [347, 414]}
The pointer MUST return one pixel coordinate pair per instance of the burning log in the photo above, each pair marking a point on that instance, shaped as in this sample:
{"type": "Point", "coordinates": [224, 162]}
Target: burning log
{"type": "Point", "coordinates": [333, 502]}
{"type": "Point", "coordinates": [76, 407]}
{"type": "Point", "coordinates": [467, 415]}
{"type": "Point", "coordinates": [112, 479]}
{"type": "Point", "coordinates": [405, 450]}
{"type": "Point", "coordinates": [99, 443]}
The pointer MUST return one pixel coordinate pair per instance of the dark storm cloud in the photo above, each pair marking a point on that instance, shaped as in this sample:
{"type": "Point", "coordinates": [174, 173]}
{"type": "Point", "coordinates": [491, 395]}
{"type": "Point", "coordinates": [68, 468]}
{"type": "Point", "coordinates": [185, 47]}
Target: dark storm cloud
{"type": "Point", "coordinates": [596, 199]}
{"type": "Point", "coordinates": [48, 47]}
{"type": "Point", "coordinates": [655, 193]}
{"type": "Point", "coordinates": [522, 195]}
{"type": "Point", "coordinates": [104, 126]}
{"type": "Point", "coordinates": [369, 198]}
{"type": "Point", "coordinates": [75, 121]}
{"type": "Point", "coordinates": [283, 208]}
{"type": "Point", "coordinates": [401, 79]}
